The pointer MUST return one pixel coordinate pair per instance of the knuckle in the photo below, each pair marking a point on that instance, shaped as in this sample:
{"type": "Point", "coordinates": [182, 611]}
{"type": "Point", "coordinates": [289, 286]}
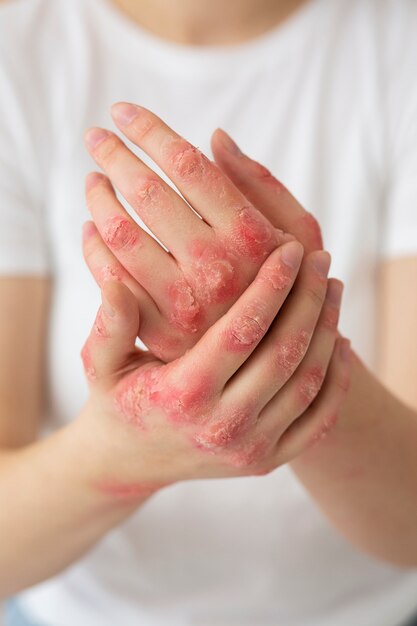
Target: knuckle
{"type": "Point", "coordinates": [149, 192]}
{"type": "Point", "coordinates": [144, 125]}
{"type": "Point", "coordinates": [224, 431]}
{"type": "Point", "coordinates": [186, 313]}
{"type": "Point", "coordinates": [88, 362]}
{"type": "Point", "coordinates": [330, 317]}
{"type": "Point", "coordinates": [108, 151]}
{"type": "Point", "coordinates": [186, 160]}
{"type": "Point", "coordinates": [310, 385]}
{"type": "Point", "coordinates": [247, 329]}
{"type": "Point", "coordinates": [315, 296]}
{"type": "Point", "coordinates": [120, 233]}
{"type": "Point", "coordinates": [290, 352]}
{"type": "Point", "coordinates": [250, 454]}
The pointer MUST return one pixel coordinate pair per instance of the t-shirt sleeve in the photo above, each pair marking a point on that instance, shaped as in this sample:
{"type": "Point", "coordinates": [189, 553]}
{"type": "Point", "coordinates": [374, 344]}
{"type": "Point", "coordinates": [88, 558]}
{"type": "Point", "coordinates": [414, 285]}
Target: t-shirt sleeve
{"type": "Point", "coordinates": [22, 230]}
{"type": "Point", "coordinates": [400, 215]}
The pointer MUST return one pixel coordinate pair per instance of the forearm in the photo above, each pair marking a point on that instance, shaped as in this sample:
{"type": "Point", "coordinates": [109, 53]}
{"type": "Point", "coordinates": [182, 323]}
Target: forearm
{"type": "Point", "coordinates": [51, 513]}
{"type": "Point", "coordinates": [364, 474]}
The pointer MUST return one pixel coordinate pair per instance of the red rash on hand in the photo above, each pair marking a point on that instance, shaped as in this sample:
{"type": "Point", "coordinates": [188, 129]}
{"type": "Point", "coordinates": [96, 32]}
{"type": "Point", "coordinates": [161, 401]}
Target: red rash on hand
{"type": "Point", "coordinates": [253, 236]}
{"type": "Point", "coordinates": [129, 491]}
{"type": "Point", "coordinates": [119, 233]}
{"type": "Point", "coordinates": [311, 384]}
{"type": "Point", "coordinates": [186, 313]}
{"type": "Point", "coordinates": [245, 330]}
{"type": "Point", "coordinates": [225, 429]}
{"type": "Point", "coordinates": [152, 389]}
{"type": "Point", "coordinates": [324, 430]}
{"type": "Point", "coordinates": [188, 162]}
{"type": "Point", "coordinates": [289, 353]}
{"type": "Point", "coordinates": [99, 326]}
{"type": "Point", "coordinates": [278, 276]}
{"type": "Point", "coordinates": [90, 372]}
{"type": "Point", "coordinates": [311, 226]}
{"type": "Point", "coordinates": [212, 273]}
{"type": "Point", "coordinates": [251, 452]}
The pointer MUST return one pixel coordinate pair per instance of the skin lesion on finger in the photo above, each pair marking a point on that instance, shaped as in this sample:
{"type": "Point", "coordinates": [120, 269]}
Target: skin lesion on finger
{"type": "Point", "coordinates": [119, 233]}
{"type": "Point", "coordinates": [181, 400]}
{"type": "Point", "coordinates": [324, 429]}
{"type": "Point", "coordinates": [264, 175]}
{"type": "Point", "coordinates": [252, 235]}
{"type": "Point", "coordinates": [290, 351]}
{"type": "Point", "coordinates": [225, 429]}
{"type": "Point", "coordinates": [246, 330]}
{"type": "Point", "coordinates": [99, 327]}
{"type": "Point", "coordinates": [186, 313]}
{"type": "Point", "coordinates": [310, 385]}
{"type": "Point", "coordinates": [250, 454]}
{"type": "Point", "coordinates": [109, 272]}
{"type": "Point", "coordinates": [279, 277]}
{"type": "Point", "coordinates": [311, 227]}
{"type": "Point", "coordinates": [212, 272]}
{"type": "Point", "coordinates": [151, 194]}
{"type": "Point", "coordinates": [89, 369]}
{"type": "Point", "coordinates": [187, 161]}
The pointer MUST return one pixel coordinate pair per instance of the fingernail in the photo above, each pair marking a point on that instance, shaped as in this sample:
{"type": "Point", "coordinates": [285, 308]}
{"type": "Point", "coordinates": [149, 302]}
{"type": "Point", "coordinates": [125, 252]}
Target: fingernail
{"type": "Point", "coordinates": [321, 263]}
{"type": "Point", "coordinates": [291, 255]}
{"type": "Point", "coordinates": [345, 350]}
{"type": "Point", "coordinates": [95, 136]}
{"type": "Point", "coordinates": [106, 307]}
{"type": "Point", "coordinates": [334, 293]}
{"type": "Point", "coordinates": [125, 113]}
{"type": "Point", "coordinates": [229, 145]}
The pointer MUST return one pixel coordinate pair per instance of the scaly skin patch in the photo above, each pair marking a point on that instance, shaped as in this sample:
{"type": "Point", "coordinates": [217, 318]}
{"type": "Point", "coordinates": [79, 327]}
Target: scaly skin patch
{"type": "Point", "coordinates": [250, 453]}
{"type": "Point", "coordinates": [186, 313]}
{"type": "Point", "coordinates": [107, 272]}
{"type": "Point", "coordinates": [188, 162]}
{"type": "Point", "coordinates": [99, 325]}
{"type": "Point", "coordinates": [153, 389]}
{"type": "Point", "coordinates": [253, 236]}
{"type": "Point", "coordinates": [311, 384]}
{"type": "Point", "coordinates": [151, 194]}
{"type": "Point", "coordinates": [290, 353]}
{"type": "Point", "coordinates": [89, 370]}
{"type": "Point", "coordinates": [246, 330]}
{"type": "Point", "coordinates": [224, 430]}
{"type": "Point", "coordinates": [325, 428]}
{"type": "Point", "coordinates": [310, 223]}
{"type": "Point", "coordinates": [118, 233]}
{"type": "Point", "coordinates": [212, 273]}
{"type": "Point", "coordinates": [278, 276]}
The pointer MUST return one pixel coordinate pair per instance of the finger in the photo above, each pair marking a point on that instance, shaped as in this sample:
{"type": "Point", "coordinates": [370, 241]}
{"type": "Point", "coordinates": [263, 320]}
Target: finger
{"type": "Point", "coordinates": [265, 192]}
{"type": "Point", "coordinates": [112, 339]}
{"type": "Point", "coordinates": [275, 361]}
{"type": "Point", "coordinates": [199, 180]}
{"type": "Point", "coordinates": [304, 386]}
{"type": "Point", "coordinates": [154, 330]}
{"type": "Point", "coordinates": [158, 205]}
{"type": "Point", "coordinates": [319, 420]}
{"type": "Point", "coordinates": [136, 250]}
{"type": "Point", "coordinates": [229, 342]}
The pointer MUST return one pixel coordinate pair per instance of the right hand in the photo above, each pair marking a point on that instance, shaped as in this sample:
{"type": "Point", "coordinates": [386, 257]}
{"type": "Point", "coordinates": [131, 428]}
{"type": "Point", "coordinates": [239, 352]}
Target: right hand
{"type": "Point", "coordinates": [221, 409]}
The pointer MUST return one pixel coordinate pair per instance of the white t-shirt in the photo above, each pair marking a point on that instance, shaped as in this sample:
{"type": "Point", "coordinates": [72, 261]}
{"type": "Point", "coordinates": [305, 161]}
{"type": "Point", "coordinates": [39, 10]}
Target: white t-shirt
{"type": "Point", "coordinates": [328, 101]}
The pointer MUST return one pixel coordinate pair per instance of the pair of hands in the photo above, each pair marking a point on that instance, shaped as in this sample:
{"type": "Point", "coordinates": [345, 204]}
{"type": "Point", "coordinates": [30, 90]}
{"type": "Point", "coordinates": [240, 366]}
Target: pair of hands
{"type": "Point", "coordinates": [228, 387]}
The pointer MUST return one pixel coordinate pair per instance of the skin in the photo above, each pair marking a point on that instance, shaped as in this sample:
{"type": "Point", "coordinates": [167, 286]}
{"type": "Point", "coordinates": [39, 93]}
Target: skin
{"type": "Point", "coordinates": [357, 447]}
{"type": "Point", "coordinates": [68, 515]}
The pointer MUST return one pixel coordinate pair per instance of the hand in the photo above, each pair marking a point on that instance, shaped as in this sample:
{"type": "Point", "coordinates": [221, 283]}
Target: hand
{"type": "Point", "coordinates": [229, 406]}
{"type": "Point", "coordinates": [266, 192]}
{"type": "Point", "coordinates": [210, 260]}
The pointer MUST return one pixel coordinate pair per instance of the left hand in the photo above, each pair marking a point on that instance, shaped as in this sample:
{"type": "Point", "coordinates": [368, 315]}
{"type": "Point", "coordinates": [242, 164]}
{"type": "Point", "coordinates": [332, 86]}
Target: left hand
{"type": "Point", "coordinates": [209, 261]}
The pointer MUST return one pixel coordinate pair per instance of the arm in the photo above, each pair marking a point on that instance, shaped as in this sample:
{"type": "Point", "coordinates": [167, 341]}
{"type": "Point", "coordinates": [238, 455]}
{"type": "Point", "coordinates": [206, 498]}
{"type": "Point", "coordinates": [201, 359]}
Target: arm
{"type": "Point", "coordinates": [363, 476]}
{"type": "Point", "coordinates": [67, 516]}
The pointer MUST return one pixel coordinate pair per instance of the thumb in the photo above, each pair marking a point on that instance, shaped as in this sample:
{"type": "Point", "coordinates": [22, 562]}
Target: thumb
{"type": "Point", "coordinates": [111, 342]}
